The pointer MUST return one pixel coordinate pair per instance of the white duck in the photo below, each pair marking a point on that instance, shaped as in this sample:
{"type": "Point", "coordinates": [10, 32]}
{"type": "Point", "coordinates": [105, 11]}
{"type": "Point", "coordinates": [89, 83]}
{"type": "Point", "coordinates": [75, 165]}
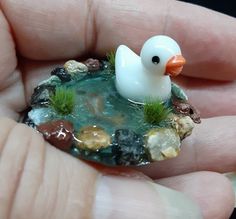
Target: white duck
{"type": "Point", "coordinates": [147, 76]}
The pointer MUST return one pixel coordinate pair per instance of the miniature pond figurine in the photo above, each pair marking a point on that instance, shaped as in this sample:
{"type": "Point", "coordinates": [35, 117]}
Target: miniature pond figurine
{"type": "Point", "coordinates": [147, 76]}
{"type": "Point", "coordinates": [121, 111]}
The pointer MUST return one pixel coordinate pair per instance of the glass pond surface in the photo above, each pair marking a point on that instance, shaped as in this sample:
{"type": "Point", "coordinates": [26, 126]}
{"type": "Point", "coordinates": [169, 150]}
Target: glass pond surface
{"type": "Point", "coordinates": [103, 126]}
{"type": "Point", "coordinates": [98, 103]}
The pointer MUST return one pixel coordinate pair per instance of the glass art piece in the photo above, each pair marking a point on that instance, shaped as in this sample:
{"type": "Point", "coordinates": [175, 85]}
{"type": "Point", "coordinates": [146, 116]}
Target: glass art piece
{"type": "Point", "coordinates": [121, 111]}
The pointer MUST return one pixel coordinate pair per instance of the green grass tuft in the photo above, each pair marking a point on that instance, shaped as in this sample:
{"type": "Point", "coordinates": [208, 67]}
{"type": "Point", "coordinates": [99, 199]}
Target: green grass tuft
{"type": "Point", "coordinates": [63, 101]}
{"type": "Point", "coordinates": [155, 112]}
{"type": "Point", "coordinates": [111, 59]}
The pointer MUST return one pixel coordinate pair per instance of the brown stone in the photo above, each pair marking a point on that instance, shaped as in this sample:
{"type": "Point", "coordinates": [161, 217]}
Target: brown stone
{"type": "Point", "coordinates": [93, 138]}
{"type": "Point", "coordinates": [92, 64]}
{"type": "Point", "coordinates": [186, 109]}
{"type": "Point", "coordinates": [58, 133]}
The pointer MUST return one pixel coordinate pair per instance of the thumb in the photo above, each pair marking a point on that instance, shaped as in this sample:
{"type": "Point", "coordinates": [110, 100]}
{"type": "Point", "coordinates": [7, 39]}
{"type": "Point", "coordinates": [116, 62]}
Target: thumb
{"type": "Point", "coordinates": [39, 181]}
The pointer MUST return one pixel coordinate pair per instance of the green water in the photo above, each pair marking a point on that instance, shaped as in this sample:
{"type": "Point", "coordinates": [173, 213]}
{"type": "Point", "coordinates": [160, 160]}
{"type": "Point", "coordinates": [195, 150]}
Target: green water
{"type": "Point", "coordinates": [98, 103]}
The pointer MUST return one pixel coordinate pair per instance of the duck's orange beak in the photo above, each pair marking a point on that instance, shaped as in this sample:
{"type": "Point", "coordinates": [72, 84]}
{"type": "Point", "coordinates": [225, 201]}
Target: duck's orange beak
{"type": "Point", "coordinates": [175, 65]}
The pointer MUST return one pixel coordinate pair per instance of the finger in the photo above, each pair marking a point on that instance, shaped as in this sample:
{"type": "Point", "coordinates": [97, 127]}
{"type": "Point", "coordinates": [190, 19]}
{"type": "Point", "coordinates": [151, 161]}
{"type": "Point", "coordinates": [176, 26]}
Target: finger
{"type": "Point", "coordinates": [65, 29]}
{"type": "Point", "coordinates": [7, 56]}
{"type": "Point", "coordinates": [210, 147]}
{"type": "Point", "coordinates": [39, 181]}
{"type": "Point", "coordinates": [12, 99]}
{"type": "Point", "coordinates": [212, 191]}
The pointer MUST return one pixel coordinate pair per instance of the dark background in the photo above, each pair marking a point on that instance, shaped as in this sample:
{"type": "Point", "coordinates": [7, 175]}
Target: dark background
{"type": "Point", "coordinates": [223, 6]}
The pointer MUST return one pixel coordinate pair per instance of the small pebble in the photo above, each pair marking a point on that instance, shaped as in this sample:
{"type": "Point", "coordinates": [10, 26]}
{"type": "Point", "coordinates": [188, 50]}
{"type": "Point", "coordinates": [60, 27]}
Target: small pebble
{"type": "Point", "coordinates": [104, 64]}
{"type": "Point", "coordinates": [162, 143]}
{"type": "Point", "coordinates": [128, 147]}
{"type": "Point", "coordinates": [73, 67]}
{"type": "Point", "coordinates": [29, 122]}
{"type": "Point", "coordinates": [39, 115]}
{"type": "Point", "coordinates": [52, 81]}
{"type": "Point", "coordinates": [58, 133]}
{"type": "Point", "coordinates": [92, 64]}
{"type": "Point", "coordinates": [62, 74]}
{"type": "Point", "coordinates": [182, 124]}
{"type": "Point", "coordinates": [178, 92]}
{"type": "Point", "coordinates": [41, 95]}
{"type": "Point", "coordinates": [184, 108]}
{"type": "Point", "coordinates": [93, 138]}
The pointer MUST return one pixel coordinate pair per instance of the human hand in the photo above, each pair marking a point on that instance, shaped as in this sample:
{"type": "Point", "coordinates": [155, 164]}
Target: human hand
{"type": "Point", "coordinates": [39, 181]}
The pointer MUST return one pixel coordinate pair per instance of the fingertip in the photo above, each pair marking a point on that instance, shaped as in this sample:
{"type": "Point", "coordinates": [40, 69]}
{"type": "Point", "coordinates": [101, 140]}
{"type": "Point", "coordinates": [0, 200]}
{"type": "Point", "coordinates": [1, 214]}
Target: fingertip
{"type": "Point", "coordinates": [122, 197]}
{"type": "Point", "coordinates": [212, 191]}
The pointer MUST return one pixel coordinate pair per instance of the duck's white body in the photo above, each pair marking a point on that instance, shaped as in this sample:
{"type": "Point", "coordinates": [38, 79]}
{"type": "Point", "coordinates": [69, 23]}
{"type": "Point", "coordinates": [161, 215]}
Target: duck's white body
{"type": "Point", "coordinates": [133, 82]}
{"type": "Point", "coordinates": [145, 77]}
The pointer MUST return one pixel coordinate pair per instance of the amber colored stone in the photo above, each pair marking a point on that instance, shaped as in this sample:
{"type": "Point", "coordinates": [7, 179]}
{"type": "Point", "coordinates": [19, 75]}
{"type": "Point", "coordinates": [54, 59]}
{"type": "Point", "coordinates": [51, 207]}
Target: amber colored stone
{"type": "Point", "coordinates": [58, 133]}
{"type": "Point", "coordinates": [92, 64]}
{"type": "Point", "coordinates": [93, 138]}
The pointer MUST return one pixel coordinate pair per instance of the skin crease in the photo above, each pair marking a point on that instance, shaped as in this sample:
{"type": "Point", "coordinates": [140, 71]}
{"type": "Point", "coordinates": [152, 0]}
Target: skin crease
{"type": "Point", "coordinates": [35, 36]}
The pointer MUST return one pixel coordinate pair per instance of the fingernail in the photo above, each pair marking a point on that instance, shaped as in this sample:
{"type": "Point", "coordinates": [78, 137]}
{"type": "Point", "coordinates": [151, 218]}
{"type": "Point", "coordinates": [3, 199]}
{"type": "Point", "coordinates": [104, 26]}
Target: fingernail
{"type": "Point", "coordinates": [121, 197]}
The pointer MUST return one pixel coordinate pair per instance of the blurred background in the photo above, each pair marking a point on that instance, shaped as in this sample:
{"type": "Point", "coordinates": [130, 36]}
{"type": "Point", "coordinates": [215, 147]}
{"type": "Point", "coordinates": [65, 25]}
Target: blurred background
{"type": "Point", "coordinates": [223, 6]}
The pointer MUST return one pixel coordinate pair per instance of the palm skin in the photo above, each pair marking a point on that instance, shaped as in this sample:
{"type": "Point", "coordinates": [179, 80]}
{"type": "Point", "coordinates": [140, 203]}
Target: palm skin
{"type": "Point", "coordinates": [41, 182]}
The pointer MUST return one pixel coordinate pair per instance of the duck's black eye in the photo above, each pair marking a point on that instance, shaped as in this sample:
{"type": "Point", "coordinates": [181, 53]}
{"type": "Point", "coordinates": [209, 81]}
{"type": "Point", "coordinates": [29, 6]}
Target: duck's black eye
{"type": "Point", "coordinates": [155, 60]}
